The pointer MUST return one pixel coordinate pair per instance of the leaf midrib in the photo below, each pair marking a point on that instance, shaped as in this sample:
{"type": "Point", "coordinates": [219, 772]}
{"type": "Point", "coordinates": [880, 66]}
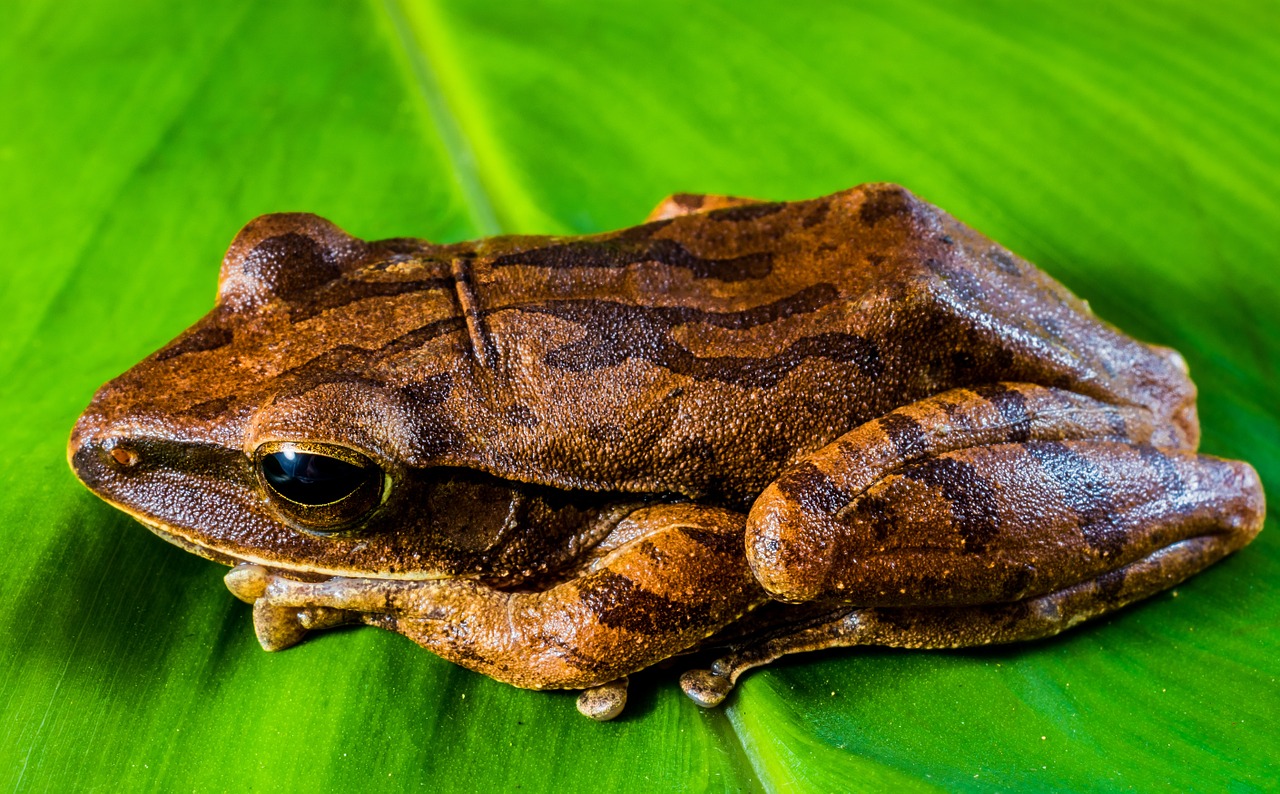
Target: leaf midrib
{"type": "Point", "coordinates": [422, 74]}
{"type": "Point", "coordinates": [480, 205]}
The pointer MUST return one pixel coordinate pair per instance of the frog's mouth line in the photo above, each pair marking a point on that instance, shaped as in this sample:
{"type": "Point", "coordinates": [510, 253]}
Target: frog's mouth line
{"type": "Point", "coordinates": [177, 538]}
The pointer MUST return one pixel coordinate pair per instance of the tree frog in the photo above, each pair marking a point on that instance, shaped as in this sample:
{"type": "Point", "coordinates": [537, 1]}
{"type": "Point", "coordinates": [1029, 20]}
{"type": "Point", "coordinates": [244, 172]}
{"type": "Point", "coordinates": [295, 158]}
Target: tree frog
{"type": "Point", "coordinates": [742, 428]}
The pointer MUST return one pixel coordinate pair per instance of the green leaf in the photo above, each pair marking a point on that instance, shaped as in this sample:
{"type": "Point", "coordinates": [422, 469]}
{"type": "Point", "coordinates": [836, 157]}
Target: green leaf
{"type": "Point", "coordinates": [1132, 150]}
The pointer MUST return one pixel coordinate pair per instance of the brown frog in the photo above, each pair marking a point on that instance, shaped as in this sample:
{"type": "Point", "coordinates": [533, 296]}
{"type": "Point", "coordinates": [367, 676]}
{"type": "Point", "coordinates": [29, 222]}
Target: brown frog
{"type": "Point", "coordinates": [759, 427]}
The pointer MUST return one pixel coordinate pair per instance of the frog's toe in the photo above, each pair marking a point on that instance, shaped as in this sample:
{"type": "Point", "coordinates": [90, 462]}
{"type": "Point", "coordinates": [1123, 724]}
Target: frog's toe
{"type": "Point", "coordinates": [247, 582]}
{"type": "Point", "coordinates": [705, 687]}
{"type": "Point", "coordinates": [277, 627]}
{"type": "Point", "coordinates": [603, 702]}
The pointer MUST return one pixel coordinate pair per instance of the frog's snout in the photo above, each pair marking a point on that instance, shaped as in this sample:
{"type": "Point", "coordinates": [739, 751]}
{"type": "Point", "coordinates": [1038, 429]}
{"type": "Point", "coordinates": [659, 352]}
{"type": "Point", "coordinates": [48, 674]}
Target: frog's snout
{"type": "Point", "coordinates": [96, 457]}
{"type": "Point", "coordinates": [122, 462]}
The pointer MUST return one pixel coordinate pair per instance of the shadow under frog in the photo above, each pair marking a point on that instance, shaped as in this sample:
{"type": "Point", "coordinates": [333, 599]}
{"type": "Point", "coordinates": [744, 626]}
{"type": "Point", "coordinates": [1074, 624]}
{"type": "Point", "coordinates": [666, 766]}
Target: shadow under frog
{"type": "Point", "coordinates": [559, 461]}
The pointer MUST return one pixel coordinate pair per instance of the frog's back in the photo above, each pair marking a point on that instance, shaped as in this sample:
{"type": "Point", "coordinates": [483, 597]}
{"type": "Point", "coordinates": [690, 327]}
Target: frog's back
{"type": "Point", "coordinates": [703, 353]}
{"type": "Point", "coordinates": [698, 355]}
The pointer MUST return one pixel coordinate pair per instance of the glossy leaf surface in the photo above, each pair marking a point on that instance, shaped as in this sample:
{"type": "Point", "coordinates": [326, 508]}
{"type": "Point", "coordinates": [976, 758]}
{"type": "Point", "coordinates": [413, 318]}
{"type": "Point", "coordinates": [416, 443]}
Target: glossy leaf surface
{"type": "Point", "coordinates": [1133, 152]}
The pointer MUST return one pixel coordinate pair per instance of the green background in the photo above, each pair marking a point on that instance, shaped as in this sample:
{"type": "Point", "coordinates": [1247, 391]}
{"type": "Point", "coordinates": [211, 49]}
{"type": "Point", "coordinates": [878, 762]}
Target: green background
{"type": "Point", "coordinates": [1131, 150]}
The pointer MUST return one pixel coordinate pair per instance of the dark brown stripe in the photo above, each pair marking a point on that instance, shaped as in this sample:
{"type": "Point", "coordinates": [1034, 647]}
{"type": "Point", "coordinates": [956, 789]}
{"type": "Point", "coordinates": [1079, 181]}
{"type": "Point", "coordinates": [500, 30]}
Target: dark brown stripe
{"type": "Point", "coordinates": [906, 435]}
{"type": "Point", "coordinates": [568, 650]}
{"type": "Point", "coordinates": [689, 201]}
{"type": "Point", "coordinates": [1012, 406]}
{"type": "Point", "coordinates": [518, 415]}
{"type": "Point", "coordinates": [431, 390]}
{"type": "Point", "coordinates": [812, 490]}
{"type": "Point", "coordinates": [973, 500]}
{"type": "Point", "coordinates": [210, 409]}
{"type": "Point", "coordinates": [346, 363]}
{"type": "Point", "coordinates": [1004, 262]}
{"type": "Point", "coordinates": [747, 212]}
{"type": "Point", "coordinates": [883, 203]}
{"type": "Point", "coordinates": [342, 293]}
{"type": "Point", "coordinates": [877, 514]}
{"type": "Point", "coordinates": [614, 332]}
{"type": "Point", "coordinates": [1086, 491]}
{"type": "Point", "coordinates": [634, 318]}
{"type": "Point", "coordinates": [722, 543]}
{"type": "Point", "coordinates": [620, 603]}
{"type": "Point", "coordinates": [1110, 585]}
{"type": "Point", "coordinates": [205, 337]}
{"type": "Point", "coordinates": [418, 337]}
{"type": "Point", "coordinates": [816, 214]}
{"type": "Point", "coordinates": [623, 251]}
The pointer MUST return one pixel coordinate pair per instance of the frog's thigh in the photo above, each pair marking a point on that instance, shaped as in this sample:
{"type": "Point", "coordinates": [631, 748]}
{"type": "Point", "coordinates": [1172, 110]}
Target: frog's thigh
{"type": "Point", "coordinates": [796, 529]}
{"type": "Point", "coordinates": [1017, 542]}
{"type": "Point", "coordinates": [1010, 521]}
{"type": "Point", "coordinates": [678, 204]}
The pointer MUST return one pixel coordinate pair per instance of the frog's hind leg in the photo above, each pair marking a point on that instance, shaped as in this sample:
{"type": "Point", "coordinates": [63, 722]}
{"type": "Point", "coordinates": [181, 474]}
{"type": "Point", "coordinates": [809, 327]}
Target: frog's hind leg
{"type": "Point", "coordinates": [678, 204]}
{"type": "Point", "coordinates": [1015, 542]}
{"type": "Point", "coordinates": [803, 523]}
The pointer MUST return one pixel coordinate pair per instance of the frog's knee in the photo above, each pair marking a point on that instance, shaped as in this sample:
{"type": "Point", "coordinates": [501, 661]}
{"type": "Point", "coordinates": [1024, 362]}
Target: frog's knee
{"type": "Point", "coordinates": [789, 534]}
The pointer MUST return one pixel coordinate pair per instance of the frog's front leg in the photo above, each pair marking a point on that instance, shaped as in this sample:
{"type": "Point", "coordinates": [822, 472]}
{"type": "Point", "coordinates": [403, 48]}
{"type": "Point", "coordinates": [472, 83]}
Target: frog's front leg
{"type": "Point", "coordinates": [982, 516]}
{"type": "Point", "coordinates": [666, 578]}
{"type": "Point", "coordinates": [1117, 522]}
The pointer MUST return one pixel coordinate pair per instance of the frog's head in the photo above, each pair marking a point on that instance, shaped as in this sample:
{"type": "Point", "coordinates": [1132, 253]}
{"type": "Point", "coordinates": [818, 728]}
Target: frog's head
{"type": "Point", "coordinates": [302, 423]}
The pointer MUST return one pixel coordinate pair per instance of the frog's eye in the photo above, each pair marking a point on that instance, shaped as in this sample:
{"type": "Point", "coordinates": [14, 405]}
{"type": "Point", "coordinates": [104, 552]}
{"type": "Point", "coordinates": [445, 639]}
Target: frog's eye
{"type": "Point", "coordinates": [323, 487]}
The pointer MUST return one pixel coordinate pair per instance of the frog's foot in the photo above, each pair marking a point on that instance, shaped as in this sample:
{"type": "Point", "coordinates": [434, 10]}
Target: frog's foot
{"type": "Point", "coordinates": [277, 628]}
{"type": "Point", "coordinates": [604, 702]}
{"type": "Point", "coordinates": [280, 626]}
{"type": "Point", "coordinates": [963, 626]}
{"type": "Point", "coordinates": [710, 687]}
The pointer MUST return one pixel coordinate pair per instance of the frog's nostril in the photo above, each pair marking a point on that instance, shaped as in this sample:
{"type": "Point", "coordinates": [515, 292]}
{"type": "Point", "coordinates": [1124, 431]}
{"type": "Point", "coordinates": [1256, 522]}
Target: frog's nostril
{"type": "Point", "coordinates": [93, 458]}
{"type": "Point", "coordinates": [123, 455]}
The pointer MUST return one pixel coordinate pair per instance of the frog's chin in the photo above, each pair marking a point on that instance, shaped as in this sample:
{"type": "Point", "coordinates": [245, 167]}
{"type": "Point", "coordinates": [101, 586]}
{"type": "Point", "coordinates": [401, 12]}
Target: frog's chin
{"type": "Point", "coordinates": [185, 544]}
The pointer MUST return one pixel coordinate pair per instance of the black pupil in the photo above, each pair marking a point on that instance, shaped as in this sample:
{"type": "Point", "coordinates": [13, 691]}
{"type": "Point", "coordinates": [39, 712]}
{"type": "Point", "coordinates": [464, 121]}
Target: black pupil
{"type": "Point", "coordinates": [313, 479]}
